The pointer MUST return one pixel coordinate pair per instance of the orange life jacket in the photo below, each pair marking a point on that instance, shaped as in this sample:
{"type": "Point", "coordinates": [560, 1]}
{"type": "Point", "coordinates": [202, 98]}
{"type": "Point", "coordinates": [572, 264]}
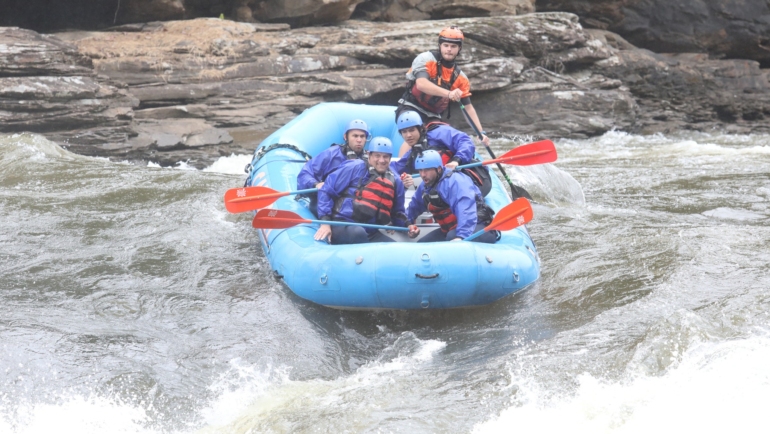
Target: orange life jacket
{"type": "Point", "coordinates": [434, 104]}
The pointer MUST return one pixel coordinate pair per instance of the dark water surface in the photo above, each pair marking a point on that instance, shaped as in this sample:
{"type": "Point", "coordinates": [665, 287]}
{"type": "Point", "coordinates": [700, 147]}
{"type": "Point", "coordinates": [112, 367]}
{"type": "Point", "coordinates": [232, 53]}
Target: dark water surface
{"type": "Point", "coordinates": [131, 301]}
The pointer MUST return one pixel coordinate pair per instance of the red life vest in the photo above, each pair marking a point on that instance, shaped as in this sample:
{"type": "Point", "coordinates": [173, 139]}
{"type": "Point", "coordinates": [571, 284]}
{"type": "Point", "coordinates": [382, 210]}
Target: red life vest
{"type": "Point", "coordinates": [442, 212]}
{"type": "Point", "coordinates": [434, 104]}
{"type": "Point", "coordinates": [372, 199]}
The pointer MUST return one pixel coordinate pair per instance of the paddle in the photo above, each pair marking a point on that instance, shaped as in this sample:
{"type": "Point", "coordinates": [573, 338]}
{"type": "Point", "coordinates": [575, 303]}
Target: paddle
{"type": "Point", "coordinates": [250, 198]}
{"type": "Point", "coordinates": [280, 219]}
{"type": "Point", "coordinates": [518, 191]}
{"type": "Point", "coordinates": [512, 215]}
{"type": "Point", "coordinates": [540, 152]}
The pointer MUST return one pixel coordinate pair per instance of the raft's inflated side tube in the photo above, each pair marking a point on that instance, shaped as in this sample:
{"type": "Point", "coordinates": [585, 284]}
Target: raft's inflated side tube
{"type": "Point", "coordinates": [380, 275]}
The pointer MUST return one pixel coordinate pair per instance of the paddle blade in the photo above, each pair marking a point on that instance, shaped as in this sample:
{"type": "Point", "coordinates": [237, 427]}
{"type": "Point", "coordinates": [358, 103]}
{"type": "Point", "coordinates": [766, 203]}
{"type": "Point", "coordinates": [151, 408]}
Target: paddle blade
{"type": "Point", "coordinates": [250, 198]}
{"type": "Point", "coordinates": [540, 152]}
{"type": "Point", "coordinates": [513, 215]}
{"type": "Point", "coordinates": [277, 219]}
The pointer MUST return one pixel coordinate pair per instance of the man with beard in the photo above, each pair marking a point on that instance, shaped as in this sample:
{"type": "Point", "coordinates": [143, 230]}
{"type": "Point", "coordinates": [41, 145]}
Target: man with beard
{"type": "Point", "coordinates": [455, 202]}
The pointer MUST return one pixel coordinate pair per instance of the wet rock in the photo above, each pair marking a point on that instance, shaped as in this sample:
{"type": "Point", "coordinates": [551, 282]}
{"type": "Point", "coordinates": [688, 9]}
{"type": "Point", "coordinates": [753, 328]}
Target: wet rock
{"type": "Point", "coordinates": [46, 85]}
{"type": "Point", "coordinates": [132, 11]}
{"type": "Point", "coordinates": [183, 89]}
{"type": "Point", "coordinates": [691, 91]}
{"type": "Point", "coordinates": [27, 53]}
{"type": "Point", "coordinates": [304, 12]}
{"type": "Point", "coordinates": [414, 10]}
{"type": "Point", "coordinates": [734, 29]}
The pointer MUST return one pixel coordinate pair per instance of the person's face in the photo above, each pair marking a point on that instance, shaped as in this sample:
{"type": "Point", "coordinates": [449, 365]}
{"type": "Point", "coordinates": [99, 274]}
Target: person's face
{"type": "Point", "coordinates": [380, 161]}
{"type": "Point", "coordinates": [449, 50]}
{"type": "Point", "coordinates": [429, 175]}
{"type": "Point", "coordinates": [410, 135]}
{"type": "Point", "coordinates": [356, 140]}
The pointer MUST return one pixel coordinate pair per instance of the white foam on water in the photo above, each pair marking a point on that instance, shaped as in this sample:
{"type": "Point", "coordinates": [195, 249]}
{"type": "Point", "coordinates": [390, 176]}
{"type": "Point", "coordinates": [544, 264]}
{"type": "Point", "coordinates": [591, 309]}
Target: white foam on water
{"type": "Point", "coordinates": [233, 164]}
{"type": "Point", "coordinates": [616, 144]}
{"type": "Point", "coordinates": [238, 388]}
{"type": "Point", "coordinates": [31, 147]}
{"type": "Point", "coordinates": [76, 414]}
{"type": "Point", "coordinates": [693, 148]}
{"type": "Point", "coordinates": [718, 387]}
{"type": "Point", "coordinates": [183, 165]}
{"type": "Point", "coordinates": [250, 400]}
{"type": "Point", "coordinates": [733, 214]}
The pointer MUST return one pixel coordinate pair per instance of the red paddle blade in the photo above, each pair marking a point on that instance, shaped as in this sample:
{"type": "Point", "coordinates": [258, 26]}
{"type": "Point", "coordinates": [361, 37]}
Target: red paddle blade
{"type": "Point", "coordinates": [540, 152]}
{"type": "Point", "coordinates": [513, 215]}
{"type": "Point", "coordinates": [250, 198]}
{"type": "Point", "coordinates": [277, 219]}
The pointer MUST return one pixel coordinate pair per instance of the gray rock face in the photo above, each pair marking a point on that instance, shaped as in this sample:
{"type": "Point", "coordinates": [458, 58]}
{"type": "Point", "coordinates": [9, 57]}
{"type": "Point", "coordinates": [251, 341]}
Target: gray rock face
{"type": "Point", "coordinates": [304, 12]}
{"type": "Point", "coordinates": [132, 11]}
{"type": "Point", "coordinates": [690, 91]}
{"type": "Point", "coordinates": [46, 85]}
{"type": "Point", "coordinates": [734, 29]}
{"type": "Point", "coordinates": [414, 10]}
{"type": "Point", "coordinates": [194, 90]}
{"type": "Point", "coordinates": [27, 53]}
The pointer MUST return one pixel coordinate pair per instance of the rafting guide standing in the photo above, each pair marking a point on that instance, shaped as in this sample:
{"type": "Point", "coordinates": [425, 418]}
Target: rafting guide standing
{"type": "Point", "coordinates": [435, 79]}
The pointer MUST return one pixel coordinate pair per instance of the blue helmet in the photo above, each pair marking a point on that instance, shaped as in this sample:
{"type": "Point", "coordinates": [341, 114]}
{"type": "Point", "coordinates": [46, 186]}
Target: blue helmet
{"type": "Point", "coordinates": [408, 119]}
{"type": "Point", "coordinates": [428, 160]}
{"type": "Point", "coordinates": [358, 124]}
{"type": "Point", "coordinates": [381, 144]}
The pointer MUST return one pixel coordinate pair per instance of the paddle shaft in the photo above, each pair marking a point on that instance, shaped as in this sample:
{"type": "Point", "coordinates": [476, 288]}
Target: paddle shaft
{"type": "Point", "coordinates": [514, 189]}
{"type": "Point", "coordinates": [272, 195]}
{"type": "Point", "coordinates": [365, 225]}
{"type": "Point", "coordinates": [476, 235]}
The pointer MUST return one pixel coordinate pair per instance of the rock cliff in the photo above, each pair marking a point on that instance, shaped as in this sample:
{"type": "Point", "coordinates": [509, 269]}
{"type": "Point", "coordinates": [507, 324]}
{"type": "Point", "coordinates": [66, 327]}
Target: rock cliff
{"type": "Point", "coordinates": [196, 89]}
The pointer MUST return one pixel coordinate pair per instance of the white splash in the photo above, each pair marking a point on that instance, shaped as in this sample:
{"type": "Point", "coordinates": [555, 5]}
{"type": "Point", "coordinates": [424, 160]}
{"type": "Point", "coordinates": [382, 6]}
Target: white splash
{"type": "Point", "coordinates": [233, 164]}
{"type": "Point", "coordinates": [718, 387]}
{"type": "Point", "coordinates": [92, 415]}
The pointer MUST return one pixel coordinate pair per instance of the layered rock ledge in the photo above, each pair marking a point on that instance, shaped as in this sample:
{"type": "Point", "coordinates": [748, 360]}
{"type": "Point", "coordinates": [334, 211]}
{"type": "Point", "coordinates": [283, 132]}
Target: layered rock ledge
{"type": "Point", "coordinates": [197, 89]}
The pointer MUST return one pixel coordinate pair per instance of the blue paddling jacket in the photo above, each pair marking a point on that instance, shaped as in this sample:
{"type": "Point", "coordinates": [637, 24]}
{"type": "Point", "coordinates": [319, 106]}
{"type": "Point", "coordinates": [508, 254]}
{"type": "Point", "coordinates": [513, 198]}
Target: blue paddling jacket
{"type": "Point", "coordinates": [354, 193]}
{"type": "Point", "coordinates": [319, 167]}
{"type": "Point", "coordinates": [444, 139]}
{"type": "Point", "coordinates": [453, 191]}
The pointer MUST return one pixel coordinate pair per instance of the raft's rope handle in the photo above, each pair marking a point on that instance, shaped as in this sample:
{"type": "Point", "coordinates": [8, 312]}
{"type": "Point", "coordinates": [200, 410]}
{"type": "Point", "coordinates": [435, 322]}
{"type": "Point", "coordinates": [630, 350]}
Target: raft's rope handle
{"type": "Point", "coordinates": [262, 151]}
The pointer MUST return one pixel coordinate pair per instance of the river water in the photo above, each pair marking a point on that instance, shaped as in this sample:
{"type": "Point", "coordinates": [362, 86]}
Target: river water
{"type": "Point", "coordinates": [132, 302]}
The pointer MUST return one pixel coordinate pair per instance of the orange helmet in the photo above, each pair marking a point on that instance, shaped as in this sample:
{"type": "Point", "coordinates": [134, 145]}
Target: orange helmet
{"type": "Point", "coordinates": [452, 35]}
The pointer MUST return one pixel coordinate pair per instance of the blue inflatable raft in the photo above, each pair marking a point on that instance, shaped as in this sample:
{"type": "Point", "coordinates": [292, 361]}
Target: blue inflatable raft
{"type": "Point", "coordinates": [403, 275]}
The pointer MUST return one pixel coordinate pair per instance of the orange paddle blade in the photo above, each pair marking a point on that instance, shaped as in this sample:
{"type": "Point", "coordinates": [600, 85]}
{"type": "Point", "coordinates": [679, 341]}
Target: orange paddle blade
{"type": "Point", "coordinates": [513, 215]}
{"type": "Point", "coordinates": [250, 198]}
{"type": "Point", "coordinates": [277, 219]}
{"type": "Point", "coordinates": [540, 152]}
